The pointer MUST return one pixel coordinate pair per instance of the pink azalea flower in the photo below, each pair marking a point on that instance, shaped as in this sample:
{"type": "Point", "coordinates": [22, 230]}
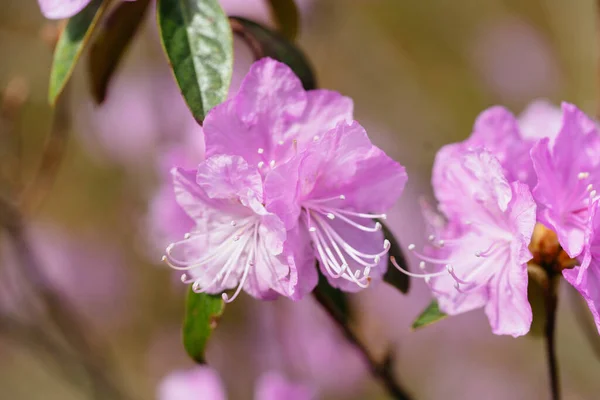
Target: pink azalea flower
{"type": "Point", "coordinates": [479, 258]}
{"type": "Point", "coordinates": [586, 277]}
{"type": "Point", "coordinates": [235, 241]}
{"type": "Point", "coordinates": [322, 174]}
{"type": "Point", "coordinates": [198, 383]}
{"type": "Point", "coordinates": [567, 172]}
{"type": "Point", "coordinates": [59, 9]}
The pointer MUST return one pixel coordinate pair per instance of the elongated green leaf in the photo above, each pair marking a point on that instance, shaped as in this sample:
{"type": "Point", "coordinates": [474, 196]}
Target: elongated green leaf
{"type": "Point", "coordinates": [265, 42]}
{"type": "Point", "coordinates": [285, 14]}
{"type": "Point", "coordinates": [111, 42]}
{"type": "Point", "coordinates": [197, 39]}
{"type": "Point", "coordinates": [393, 276]}
{"type": "Point", "coordinates": [430, 315]}
{"type": "Point", "coordinates": [335, 297]}
{"type": "Point", "coordinates": [202, 313]}
{"type": "Point", "coordinates": [70, 45]}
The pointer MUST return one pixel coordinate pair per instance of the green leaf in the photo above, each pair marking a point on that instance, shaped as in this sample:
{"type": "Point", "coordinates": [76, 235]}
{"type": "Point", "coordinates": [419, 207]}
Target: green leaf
{"type": "Point", "coordinates": [393, 276]}
{"type": "Point", "coordinates": [265, 42]}
{"type": "Point", "coordinates": [197, 39]}
{"type": "Point", "coordinates": [285, 14]}
{"type": "Point", "coordinates": [335, 297]}
{"type": "Point", "coordinates": [71, 43]}
{"type": "Point", "coordinates": [110, 44]}
{"type": "Point", "coordinates": [202, 313]}
{"type": "Point", "coordinates": [430, 315]}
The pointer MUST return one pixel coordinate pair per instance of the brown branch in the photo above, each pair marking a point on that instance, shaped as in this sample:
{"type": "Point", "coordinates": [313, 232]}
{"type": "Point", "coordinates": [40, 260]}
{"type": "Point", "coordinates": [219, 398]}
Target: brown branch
{"type": "Point", "coordinates": [551, 303]}
{"type": "Point", "coordinates": [380, 370]}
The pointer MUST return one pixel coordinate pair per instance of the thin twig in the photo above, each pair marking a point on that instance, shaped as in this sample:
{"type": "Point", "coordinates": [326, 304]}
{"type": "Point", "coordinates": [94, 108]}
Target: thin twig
{"type": "Point", "coordinates": [551, 302]}
{"type": "Point", "coordinates": [381, 370]}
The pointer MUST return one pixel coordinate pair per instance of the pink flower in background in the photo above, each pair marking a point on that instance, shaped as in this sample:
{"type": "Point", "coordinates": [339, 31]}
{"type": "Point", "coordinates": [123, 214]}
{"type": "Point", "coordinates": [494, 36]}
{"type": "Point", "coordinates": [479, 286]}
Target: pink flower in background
{"type": "Point", "coordinates": [199, 383]}
{"type": "Point", "coordinates": [510, 139]}
{"type": "Point", "coordinates": [166, 221]}
{"type": "Point", "coordinates": [203, 383]}
{"type": "Point", "coordinates": [87, 272]}
{"type": "Point", "coordinates": [59, 9]}
{"type": "Point", "coordinates": [273, 386]}
{"type": "Point", "coordinates": [586, 277]}
{"type": "Point", "coordinates": [314, 349]}
{"type": "Point", "coordinates": [235, 241]}
{"type": "Point", "coordinates": [539, 120]}
{"type": "Point", "coordinates": [322, 174]}
{"type": "Point", "coordinates": [483, 253]}
{"type": "Point", "coordinates": [567, 173]}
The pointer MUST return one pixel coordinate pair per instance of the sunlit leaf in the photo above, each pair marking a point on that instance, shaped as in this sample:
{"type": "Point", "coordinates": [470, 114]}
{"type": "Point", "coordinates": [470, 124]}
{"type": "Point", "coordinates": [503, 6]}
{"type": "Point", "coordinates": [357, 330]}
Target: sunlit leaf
{"type": "Point", "coordinates": [110, 44]}
{"type": "Point", "coordinates": [285, 14]}
{"type": "Point", "coordinates": [429, 316]}
{"type": "Point", "coordinates": [71, 43]}
{"type": "Point", "coordinates": [202, 313]}
{"type": "Point", "coordinates": [265, 42]}
{"type": "Point", "coordinates": [197, 39]}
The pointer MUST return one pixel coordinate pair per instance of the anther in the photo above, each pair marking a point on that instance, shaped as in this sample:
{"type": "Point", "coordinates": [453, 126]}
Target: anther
{"type": "Point", "coordinates": [583, 175]}
{"type": "Point", "coordinates": [342, 197]}
{"type": "Point", "coordinates": [589, 187]}
{"type": "Point", "coordinates": [187, 235]}
{"type": "Point", "coordinates": [233, 223]}
{"type": "Point", "coordinates": [378, 226]}
{"type": "Point", "coordinates": [163, 258]}
{"type": "Point", "coordinates": [316, 137]}
{"type": "Point", "coordinates": [431, 238]}
{"type": "Point", "coordinates": [236, 238]}
{"type": "Point", "coordinates": [280, 142]}
{"type": "Point", "coordinates": [261, 164]}
{"type": "Point", "coordinates": [411, 247]}
{"type": "Point", "coordinates": [272, 163]}
{"type": "Point", "coordinates": [593, 193]}
{"type": "Point", "coordinates": [261, 150]}
{"type": "Point", "coordinates": [312, 229]}
{"type": "Point", "coordinates": [330, 216]}
{"type": "Point", "coordinates": [422, 265]}
{"type": "Point", "coordinates": [441, 243]}
{"type": "Point", "coordinates": [386, 244]}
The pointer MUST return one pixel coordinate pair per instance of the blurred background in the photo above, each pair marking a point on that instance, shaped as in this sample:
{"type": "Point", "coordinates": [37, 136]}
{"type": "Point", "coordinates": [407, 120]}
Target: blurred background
{"type": "Point", "coordinates": [419, 73]}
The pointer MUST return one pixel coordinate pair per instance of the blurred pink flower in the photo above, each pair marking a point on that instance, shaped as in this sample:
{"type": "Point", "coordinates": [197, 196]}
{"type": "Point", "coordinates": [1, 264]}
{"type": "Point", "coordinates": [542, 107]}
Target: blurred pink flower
{"type": "Point", "coordinates": [235, 241]}
{"type": "Point", "coordinates": [58, 9]}
{"type": "Point", "coordinates": [273, 386]}
{"type": "Point", "coordinates": [483, 263]}
{"type": "Point", "coordinates": [315, 349]}
{"type": "Point", "coordinates": [566, 175]}
{"type": "Point", "coordinates": [514, 59]}
{"type": "Point", "coordinates": [90, 274]}
{"type": "Point", "coordinates": [195, 384]}
{"type": "Point", "coordinates": [203, 383]}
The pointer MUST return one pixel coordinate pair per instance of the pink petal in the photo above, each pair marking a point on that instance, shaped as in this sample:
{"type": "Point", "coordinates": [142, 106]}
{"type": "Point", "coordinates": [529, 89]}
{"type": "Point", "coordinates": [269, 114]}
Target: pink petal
{"type": "Point", "coordinates": [226, 177]}
{"type": "Point", "coordinates": [194, 384]}
{"type": "Point", "coordinates": [59, 9]}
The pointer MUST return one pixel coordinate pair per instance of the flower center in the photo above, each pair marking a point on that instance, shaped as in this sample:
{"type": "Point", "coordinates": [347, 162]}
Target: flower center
{"type": "Point", "coordinates": [334, 251]}
{"type": "Point", "coordinates": [240, 243]}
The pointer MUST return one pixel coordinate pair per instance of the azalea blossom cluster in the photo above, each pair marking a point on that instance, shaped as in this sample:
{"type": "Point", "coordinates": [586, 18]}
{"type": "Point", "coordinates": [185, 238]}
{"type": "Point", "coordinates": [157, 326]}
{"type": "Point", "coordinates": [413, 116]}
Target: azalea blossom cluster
{"type": "Point", "coordinates": [493, 189]}
{"type": "Point", "coordinates": [289, 180]}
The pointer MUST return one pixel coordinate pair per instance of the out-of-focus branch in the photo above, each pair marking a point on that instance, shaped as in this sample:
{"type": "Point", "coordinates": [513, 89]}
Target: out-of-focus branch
{"type": "Point", "coordinates": [64, 318]}
{"type": "Point", "coordinates": [54, 148]}
{"type": "Point", "coordinates": [382, 370]}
